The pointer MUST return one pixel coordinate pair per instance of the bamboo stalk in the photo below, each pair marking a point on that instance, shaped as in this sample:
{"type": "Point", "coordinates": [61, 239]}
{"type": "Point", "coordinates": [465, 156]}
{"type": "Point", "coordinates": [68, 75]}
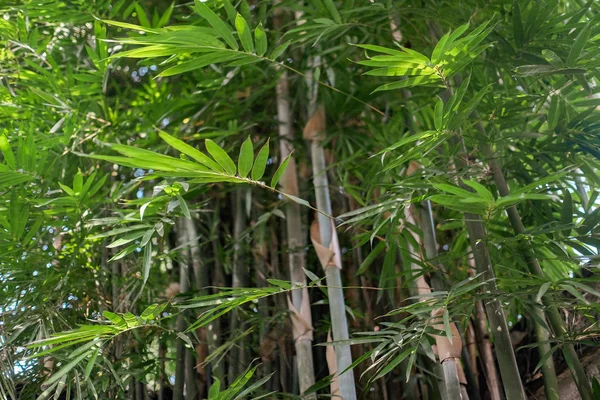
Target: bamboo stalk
{"type": "Point", "coordinates": [238, 356]}
{"type": "Point", "coordinates": [180, 325]}
{"type": "Point", "coordinates": [448, 351]}
{"type": "Point", "coordinates": [295, 237]}
{"type": "Point", "coordinates": [497, 319]}
{"type": "Point", "coordinates": [324, 238]}
{"type": "Point", "coordinates": [213, 336]}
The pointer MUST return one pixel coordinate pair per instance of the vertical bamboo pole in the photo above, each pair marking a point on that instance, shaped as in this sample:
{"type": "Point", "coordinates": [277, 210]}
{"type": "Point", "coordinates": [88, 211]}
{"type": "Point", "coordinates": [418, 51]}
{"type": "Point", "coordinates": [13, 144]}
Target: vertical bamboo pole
{"type": "Point", "coordinates": [324, 238]}
{"type": "Point", "coordinates": [180, 324]}
{"type": "Point", "coordinates": [299, 304]}
{"type": "Point", "coordinates": [238, 360]}
{"type": "Point", "coordinates": [448, 351]}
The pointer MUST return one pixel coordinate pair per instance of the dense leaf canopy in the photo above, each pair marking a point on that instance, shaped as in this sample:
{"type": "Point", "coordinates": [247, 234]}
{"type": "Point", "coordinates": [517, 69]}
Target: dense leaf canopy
{"type": "Point", "coordinates": [169, 173]}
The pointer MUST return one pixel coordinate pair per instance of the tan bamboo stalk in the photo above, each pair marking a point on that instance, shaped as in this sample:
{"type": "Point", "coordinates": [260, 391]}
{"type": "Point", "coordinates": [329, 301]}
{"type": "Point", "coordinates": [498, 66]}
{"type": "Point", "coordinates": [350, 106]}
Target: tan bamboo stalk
{"type": "Point", "coordinates": [486, 353]}
{"type": "Point", "coordinates": [448, 351]}
{"type": "Point", "coordinates": [299, 303]}
{"type": "Point", "coordinates": [324, 238]}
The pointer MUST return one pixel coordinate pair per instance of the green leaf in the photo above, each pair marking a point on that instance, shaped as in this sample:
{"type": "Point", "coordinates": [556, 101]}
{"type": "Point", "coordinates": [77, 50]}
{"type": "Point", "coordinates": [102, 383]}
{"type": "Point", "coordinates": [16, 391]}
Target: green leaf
{"type": "Point", "coordinates": [554, 112]}
{"type": "Point", "coordinates": [246, 158]}
{"type": "Point", "coordinates": [260, 164]}
{"type": "Point", "coordinates": [261, 40]}
{"type": "Point", "coordinates": [230, 11]}
{"type": "Point", "coordinates": [578, 45]}
{"type": "Point", "coordinates": [542, 291]}
{"type": "Point", "coordinates": [481, 190]}
{"type": "Point", "coordinates": [370, 258]}
{"type": "Point", "coordinates": [215, 57]}
{"type": "Point", "coordinates": [147, 263]}
{"type": "Point", "coordinates": [186, 339]}
{"type": "Point", "coordinates": [148, 313]}
{"type": "Point", "coordinates": [78, 183]}
{"type": "Point", "coordinates": [279, 50]}
{"type": "Point", "coordinates": [117, 320]}
{"type": "Point", "coordinates": [453, 189]}
{"type": "Point", "coordinates": [333, 11]}
{"type": "Point", "coordinates": [91, 363]}
{"type": "Point", "coordinates": [533, 70]}
{"type": "Point", "coordinates": [517, 24]}
{"type": "Point", "coordinates": [220, 156]}
{"type": "Point", "coordinates": [213, 19]}
{"type": "Point", "coordinates": [184, 207]}
{"type": "Point", "coordinates": [188, 150]}
{"type": "Point", "coordinates": [66, 369]}
{"type": "Point", "coordinates": [67, 189]}
{"type": "Point", "coordinates": [280, 171]}
{"type": "Point", "coordinates": [130, 320]}
{"type": "Point", "coordinates": [285, 285]}
{"type": "Point", "coordinates": [215, 390]}
{"type": "Point", "coordinates": [438, 114]}
{"type": "Point", "coordinates": [394, 363]}
{"type": "Point", "coordinates": [447, 327]}
{"type": "Point", "coordinates": [409, 82]}
{"type": "Point", "coordinates": [566, 214]}
{"type": "Point", "coordinates": [243, 31]}
{"type": "Point", "coordinates": [7, 152]}
{"type": "Point", "coordinates": [552, 58]}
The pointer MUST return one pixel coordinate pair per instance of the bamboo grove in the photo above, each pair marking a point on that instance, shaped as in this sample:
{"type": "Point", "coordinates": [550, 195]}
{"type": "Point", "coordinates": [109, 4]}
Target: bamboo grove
{"type": "Point", "coordinates": [357, 199]}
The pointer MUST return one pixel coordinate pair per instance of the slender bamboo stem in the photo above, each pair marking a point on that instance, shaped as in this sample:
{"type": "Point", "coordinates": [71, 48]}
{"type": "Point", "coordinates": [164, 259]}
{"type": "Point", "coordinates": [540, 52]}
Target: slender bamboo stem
{"type": "Point", "coordinates": [554, 318]}
{"type": "Point", "coordinates": [337, 306]}
{"type": "Point", "coordinates": [295, 234]}
{"type": "Point", "coordinates": [180, 324]}
{"type": "Point", "coordinates": [239, 357]}
{"type": "Point", "coordinates": [497, 319]}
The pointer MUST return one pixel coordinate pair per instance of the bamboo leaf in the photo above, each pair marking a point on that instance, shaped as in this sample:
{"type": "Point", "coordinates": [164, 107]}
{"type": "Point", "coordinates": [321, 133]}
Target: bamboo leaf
{"type": "Point", "coordinates": [246, 158]}
{"type": "Point", "coordinates": [66, 369]}
{"type": "Point", "coordinates": [394, 363]}
{"type": "Point", "coordinates": [447, 327]}
{"type": "Point", "coordinates": [261, 40]}
{"type": "Point", "coordinates": [213, 19]}
{"type": "Point", "coordinates": [280, 171]}
{"type": "Point", "coordinates": [244, 34]}
{"type": "Point", "coordinates": [91, 363]}
{"type": "Point", "coordinates": [333, 11]}
{"type": "Point", "coordinates": [409, 82]}
{"type": "Point", "coordinates": [220, 156]}
{"type": "Point", "coordinates": [279, 50]}
{"type": "Point", "coordinates": [147, 263]}
{"type": "Point", "coordinates": [552, 58]}
{"type": "Point", "coordinates": [438, 114]}
{"type": "Point", "coordinates": [183, 206]}
{"type": "Point", "coordinates": [578, 45]}
{"type": "Point", "coordinates": [481, 190]}
{"type": "Point", "coordinates": [188, 150]}
{"type": "Point", "coordinates": [517, 24]}
{"type": "Point", "coordinates": [260, 164]}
